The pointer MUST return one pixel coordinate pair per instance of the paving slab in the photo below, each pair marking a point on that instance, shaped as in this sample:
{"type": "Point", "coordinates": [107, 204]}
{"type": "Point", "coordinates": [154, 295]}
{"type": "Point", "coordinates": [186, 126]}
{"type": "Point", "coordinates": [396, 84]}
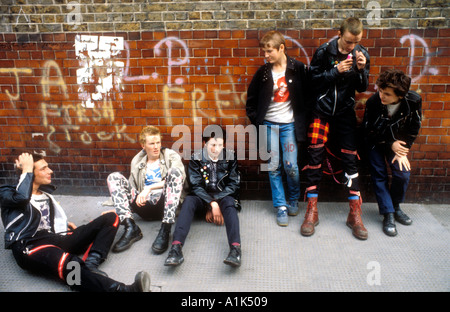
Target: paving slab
{"type": "Point", "coordinates": [274, 259]}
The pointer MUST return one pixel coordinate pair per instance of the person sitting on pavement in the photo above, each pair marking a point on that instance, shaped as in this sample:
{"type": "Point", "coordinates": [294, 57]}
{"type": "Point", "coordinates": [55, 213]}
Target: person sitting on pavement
{"type": "Point", "coordinates": [214, 184]}
{"type": "Point", "coordinates": [392, 120]}
{"type": "Point", "coordinates": [43, 241]}
{"type": "Point", "coordinates": [154, 191]}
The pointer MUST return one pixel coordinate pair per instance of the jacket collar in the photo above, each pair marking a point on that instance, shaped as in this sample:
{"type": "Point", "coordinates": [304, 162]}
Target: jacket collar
{"type": "Point", "coordinates": [143, 158]}
{"type": "Point", "coordinates": [268, 68]}
{"type": "Point", "coordinates": [49, 188]}
{"type": "Point", "coordinates": [403, 110]}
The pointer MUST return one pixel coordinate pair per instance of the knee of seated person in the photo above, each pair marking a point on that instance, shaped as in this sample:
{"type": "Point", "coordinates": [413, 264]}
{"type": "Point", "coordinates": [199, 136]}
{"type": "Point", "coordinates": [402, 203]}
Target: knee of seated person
{"type": "Point", "coordinates": [174, 171]}
{"type": "Point", "coordinates": [111, 217]}
{"type": "Point", "coordinates": [227, 202]}
{"type": "Point", "coordinates": [114, 176]}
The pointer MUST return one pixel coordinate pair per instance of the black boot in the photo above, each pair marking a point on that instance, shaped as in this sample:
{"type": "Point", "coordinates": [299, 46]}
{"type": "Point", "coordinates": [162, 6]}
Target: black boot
{"type": "Point", "coordinates": [161, 242]}
{"type": "Point", "coordinates": [131, 235]}
{"type": "Point", "coordinates": [141, 284]}
{"type": "Point", "coordinates": [92, 262]}
{"type": "Point", "coordinates": [401, 217]}
{"type": "Point", "coordinates": [234, 256]}
{"type": "Point", "coordinates": [389, 224]}
{"type": "Point", "coordinates": [175, 256]}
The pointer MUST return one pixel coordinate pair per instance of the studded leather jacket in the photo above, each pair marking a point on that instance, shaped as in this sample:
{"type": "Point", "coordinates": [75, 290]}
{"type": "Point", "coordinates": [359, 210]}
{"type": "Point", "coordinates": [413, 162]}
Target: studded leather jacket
{"type": "Point", "coordinates": [403, 125]}
{"type": "Point", "coordinates": [226, 172]}
{"type": "Point", "coordinates": [334, 92]}
{"type": "Point", "coordinates": [260, 92]}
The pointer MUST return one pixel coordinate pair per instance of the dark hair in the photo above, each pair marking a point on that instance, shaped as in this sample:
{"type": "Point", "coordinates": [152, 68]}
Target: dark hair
{"type": "Point", "coordinates": [213, 131]}
{"type": "Point", "coordinates": [36, 158]}
{"type": "Point", "coordinates": [395, 79]}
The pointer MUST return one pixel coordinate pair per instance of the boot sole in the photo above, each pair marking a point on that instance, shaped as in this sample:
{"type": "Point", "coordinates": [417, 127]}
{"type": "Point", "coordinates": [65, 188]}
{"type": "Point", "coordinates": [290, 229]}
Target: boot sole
{"type": "Point", "coordinates": [159, 251]}
{"type": "Point", "coordinates": [132, 241]}
{"type": "Point", "coordinates": [358, 237]}
{"type": "Point", "coordinates": [231, 263]}
{"type": "Point", "coordinates": [309, 233]}
{"type": "Point", "coordinates": [143, 280]}
{"type": "Point", "coordinates": [174, 264]}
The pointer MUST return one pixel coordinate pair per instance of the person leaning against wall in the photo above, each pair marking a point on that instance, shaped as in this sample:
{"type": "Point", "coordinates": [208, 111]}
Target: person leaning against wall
{"type": "Point", "coordinates": [392, 120]}
{"type": "Point", "coordinates": [153, 191]}
{"type": "Point", "coordinates": [276, 98]}
{"type": "Point", "coordinates": [43, 241]}
{"type": "Point", "coordinates": [338, 69]}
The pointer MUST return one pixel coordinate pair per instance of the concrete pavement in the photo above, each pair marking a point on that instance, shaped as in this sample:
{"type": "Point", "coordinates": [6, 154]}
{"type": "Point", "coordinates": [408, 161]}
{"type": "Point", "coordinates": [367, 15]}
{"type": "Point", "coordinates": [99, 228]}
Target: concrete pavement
{"type": "Point", "coordinates": [274, 259]}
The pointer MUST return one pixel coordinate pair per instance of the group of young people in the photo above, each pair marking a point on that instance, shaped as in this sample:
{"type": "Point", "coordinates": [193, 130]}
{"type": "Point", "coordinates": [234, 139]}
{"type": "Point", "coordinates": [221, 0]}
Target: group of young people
{"type": "Point", "coordinates": [315, 106]}
{"type": "Point", "coordinates": [294, 103]}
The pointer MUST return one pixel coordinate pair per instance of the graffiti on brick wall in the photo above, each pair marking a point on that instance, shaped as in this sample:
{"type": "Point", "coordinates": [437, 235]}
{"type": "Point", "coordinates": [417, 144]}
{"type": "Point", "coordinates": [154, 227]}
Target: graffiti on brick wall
{"type": "Point", "coordinates": [104, 67]}
{"type": "Point", "coordinates": [423, 61]}
{"type": "Point", "coordinates": [102, 112]}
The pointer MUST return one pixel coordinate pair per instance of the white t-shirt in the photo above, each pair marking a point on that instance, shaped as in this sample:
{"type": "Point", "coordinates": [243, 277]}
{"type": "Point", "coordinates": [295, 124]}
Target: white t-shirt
{"type": "Point", "coordinates": [44, 207]}
{"type": "Point", "coordinates": [280, 109]}
{"type": "Point", "coordinates": [392, 109]}
{"type": "Point", "coordinates": [152, 176]}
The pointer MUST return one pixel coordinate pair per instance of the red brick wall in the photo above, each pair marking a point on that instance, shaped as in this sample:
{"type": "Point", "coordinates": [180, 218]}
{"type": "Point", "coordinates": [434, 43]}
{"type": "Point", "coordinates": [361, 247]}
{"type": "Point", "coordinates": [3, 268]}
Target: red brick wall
{"type": "Point", "coordinates": [89, 128]}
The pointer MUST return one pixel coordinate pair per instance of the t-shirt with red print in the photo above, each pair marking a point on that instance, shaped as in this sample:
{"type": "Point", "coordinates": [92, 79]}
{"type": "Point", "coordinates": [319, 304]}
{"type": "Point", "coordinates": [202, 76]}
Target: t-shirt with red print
{"type": "Point", "coordinates": [280, 110]}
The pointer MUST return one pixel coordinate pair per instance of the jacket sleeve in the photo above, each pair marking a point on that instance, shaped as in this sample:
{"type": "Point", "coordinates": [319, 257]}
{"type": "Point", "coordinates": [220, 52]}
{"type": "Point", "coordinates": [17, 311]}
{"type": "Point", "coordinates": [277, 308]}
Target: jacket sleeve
{"type": "Point", "coordinates": [363, 75]}
{"type": "Point", "coordinates": [321, 77]}
{"type": "Point", "coordinates": [196, 182]}
{"type": "Point", "coordinates": [415, 121]}
{"type": "Point", "coordinates": [252, 98]}
{"type": "Point", "coordinates": [21, 195]}
{"type": "Point", "coordinates": [176, 162]}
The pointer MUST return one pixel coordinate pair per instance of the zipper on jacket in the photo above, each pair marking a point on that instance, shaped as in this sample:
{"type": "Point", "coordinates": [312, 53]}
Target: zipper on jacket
{"type": "Point", "coordinates": [335, 99]}
{"type": "Point", "coordinates": [14, 221]}
{"type": "Point", "coordinates": [29, 222]}
{"type": "Point", "coordinates": [218, 183]}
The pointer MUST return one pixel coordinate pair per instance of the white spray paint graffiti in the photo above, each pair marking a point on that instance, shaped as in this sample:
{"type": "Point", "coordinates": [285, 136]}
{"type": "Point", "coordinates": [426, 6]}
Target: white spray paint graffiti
{"type": "Point", "coordinates": [426, 67]}
{"type": "Point", "coordinates": [97, 66]}
{"type": "Point", "coordinates": [180, 61]}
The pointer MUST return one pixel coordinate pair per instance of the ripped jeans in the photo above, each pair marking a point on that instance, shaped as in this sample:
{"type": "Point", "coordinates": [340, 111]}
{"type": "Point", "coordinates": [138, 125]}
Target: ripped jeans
{"type": "Point", "coordinates": [281, 144]}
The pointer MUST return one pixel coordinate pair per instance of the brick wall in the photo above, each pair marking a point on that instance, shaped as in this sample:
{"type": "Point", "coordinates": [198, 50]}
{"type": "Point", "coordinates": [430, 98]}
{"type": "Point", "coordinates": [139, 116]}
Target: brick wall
{"type": "Point", "coordinates": [79, 83]}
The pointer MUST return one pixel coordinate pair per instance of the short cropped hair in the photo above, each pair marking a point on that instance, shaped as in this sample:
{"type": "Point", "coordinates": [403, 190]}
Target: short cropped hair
{"type": "Point", "coordinates": [149, 130]}
{"type": "Point", "coordinates": [395, 79]}
{"type": "Point", "coordinates": [272, 39]}
{"type": "Point", "coordinates": [352, 25]}
{"type": "Point", "coordinates": [213, 131]}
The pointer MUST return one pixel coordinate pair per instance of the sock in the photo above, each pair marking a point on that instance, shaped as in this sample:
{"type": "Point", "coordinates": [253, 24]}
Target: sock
{"type": "Point", "coordinates": [353, 197]}
{"type": "Point", "coordinates": [310, 195]}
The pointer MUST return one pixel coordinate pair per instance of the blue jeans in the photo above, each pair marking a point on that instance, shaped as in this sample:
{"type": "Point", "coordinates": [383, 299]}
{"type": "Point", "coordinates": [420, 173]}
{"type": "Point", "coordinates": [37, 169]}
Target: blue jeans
{"type": "Point", "coordinates": [387, 198]}
{"type": "Point", "coordinates": [281, 144]}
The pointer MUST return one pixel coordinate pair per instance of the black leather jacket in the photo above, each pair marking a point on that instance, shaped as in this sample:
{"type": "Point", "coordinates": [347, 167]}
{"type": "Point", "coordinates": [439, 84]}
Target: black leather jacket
{"type": "Point", "coordinates": [260, 92]}
{"type": "Point", "coordinates": [334, 92]}
{"type": "Point", "coordinates": [20, 218]}
{"type": "Point", "coordinates": [403, 125]}
{"type": "Point", "coordinates": [228, 177]}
